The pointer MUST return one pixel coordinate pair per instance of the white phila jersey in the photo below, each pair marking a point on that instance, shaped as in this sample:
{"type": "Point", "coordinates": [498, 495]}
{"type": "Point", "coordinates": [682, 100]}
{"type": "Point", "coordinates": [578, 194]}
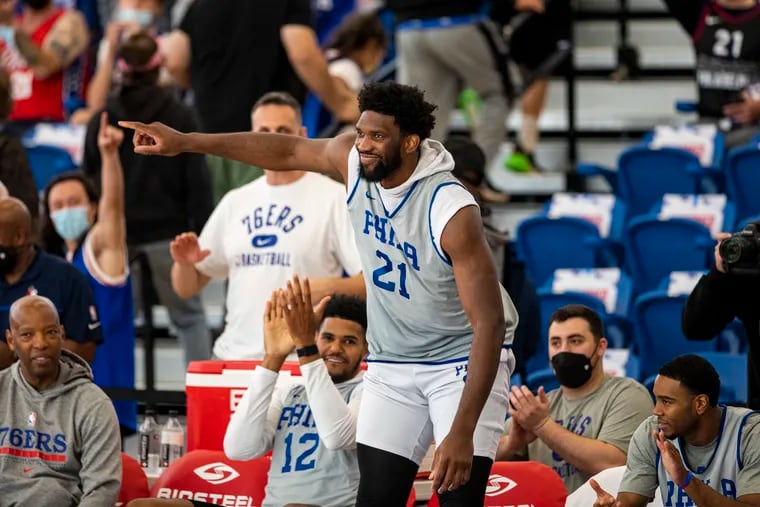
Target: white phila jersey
{"type": "Point", "coordinates": [720, 470]}
{"type": "Point", "coordinates": [303, 470]}
{"type": "Point", "coordinates": [414, 312]}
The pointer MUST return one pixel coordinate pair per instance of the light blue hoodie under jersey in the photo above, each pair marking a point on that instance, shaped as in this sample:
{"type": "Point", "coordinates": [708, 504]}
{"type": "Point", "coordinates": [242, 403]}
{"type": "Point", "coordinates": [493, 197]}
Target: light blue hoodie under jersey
{"type": "Point", "coordinates": [61, 446]}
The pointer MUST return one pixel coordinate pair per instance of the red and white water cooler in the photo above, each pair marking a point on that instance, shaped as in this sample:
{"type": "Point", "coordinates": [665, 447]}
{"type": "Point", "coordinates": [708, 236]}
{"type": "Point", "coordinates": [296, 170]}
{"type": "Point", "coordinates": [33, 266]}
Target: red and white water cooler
{"type": "Point", "coordinates": [214, 389]}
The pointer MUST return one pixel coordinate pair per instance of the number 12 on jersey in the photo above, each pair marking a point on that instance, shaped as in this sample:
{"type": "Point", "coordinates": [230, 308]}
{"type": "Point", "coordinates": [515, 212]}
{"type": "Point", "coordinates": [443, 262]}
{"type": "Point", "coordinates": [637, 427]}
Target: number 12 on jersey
{"type": "Point", "coordinates": [308, 445]}
{"type": "Point", "coordinates": [384, 275]}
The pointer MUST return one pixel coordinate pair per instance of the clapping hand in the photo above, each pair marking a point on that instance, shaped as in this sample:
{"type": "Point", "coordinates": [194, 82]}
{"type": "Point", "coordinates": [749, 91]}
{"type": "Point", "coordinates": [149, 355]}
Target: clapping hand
{"type": "Point", "coordinates": [186, 250]}
{"type": "Point", "coordinates": [277, 340]}
{"type": "Point", "coordinates": [302, 319]}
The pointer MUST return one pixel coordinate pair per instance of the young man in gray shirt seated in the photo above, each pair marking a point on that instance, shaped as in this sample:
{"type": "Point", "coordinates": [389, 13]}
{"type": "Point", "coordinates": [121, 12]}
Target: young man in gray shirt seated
{"type": "Point", "coordinates": [698, 452]}
{"type": "Point", "coordinates": [584, 426]}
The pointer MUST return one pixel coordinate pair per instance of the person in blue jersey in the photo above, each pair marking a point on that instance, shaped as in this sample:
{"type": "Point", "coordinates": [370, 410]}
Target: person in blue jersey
{"type": "Point", "coordinates": [310, 425]}
{"type": "Point", "coordinates": [440, 325]}
{"type": "Point", "coordinates": [697, 451]}
{"type": "Point", "coordinates": [91, 234]}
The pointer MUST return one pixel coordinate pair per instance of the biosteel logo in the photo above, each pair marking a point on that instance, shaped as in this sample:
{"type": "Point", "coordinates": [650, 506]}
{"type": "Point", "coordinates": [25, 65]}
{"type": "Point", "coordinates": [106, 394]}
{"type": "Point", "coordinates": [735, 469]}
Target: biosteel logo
{"type": "Point", "coordinates": [498, 484]}
{"type": "Point", "coordinates": [216, 473]}
{"type": "Point", "coordinates": [215, 498]}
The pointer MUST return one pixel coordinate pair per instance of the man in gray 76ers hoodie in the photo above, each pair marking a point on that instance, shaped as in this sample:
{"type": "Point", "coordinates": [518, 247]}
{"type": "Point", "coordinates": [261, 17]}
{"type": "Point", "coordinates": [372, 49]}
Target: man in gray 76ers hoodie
{"type": "Point", "coordinates": [59, 436]}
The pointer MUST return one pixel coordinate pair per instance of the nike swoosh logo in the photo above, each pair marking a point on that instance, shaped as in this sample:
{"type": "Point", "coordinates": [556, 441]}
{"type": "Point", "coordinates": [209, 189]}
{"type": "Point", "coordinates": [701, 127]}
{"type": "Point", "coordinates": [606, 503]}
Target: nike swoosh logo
{"type": "Point", "coordinates": [93, 326]}
{"type": "Point", "coordinates": [27, 470]}
{"type": "Point", "coordinates": [366, 194]}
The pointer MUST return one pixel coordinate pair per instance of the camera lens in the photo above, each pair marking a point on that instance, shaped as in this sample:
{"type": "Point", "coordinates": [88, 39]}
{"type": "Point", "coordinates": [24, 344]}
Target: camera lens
{"type": "Point", "coordinates": [731, 250]}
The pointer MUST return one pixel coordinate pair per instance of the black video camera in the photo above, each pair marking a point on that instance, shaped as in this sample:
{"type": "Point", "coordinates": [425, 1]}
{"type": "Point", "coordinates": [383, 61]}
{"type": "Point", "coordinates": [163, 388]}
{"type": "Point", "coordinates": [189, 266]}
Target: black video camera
{"type": "Point", "coordinates": [741, 251]}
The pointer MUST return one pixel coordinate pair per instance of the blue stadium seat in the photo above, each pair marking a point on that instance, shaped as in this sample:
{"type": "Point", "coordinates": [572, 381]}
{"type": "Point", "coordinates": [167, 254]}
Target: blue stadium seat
{"type": "Point", "coordinates": [543, 377]}
{"type": "Point", "coordinates": [546, 244]}
{"type": "Point", "coordinates": [657, 335]}
{"type": "Point", "coordinates": [655, 248]}
{"type": "Point", "coordinates": [47, 162]}
{"type": "Point", "coordinates": [644, 175]}
{"type": "Point", "coordinates": [742, 182]}
{"type": "Point", "coordinates": [732, 369]}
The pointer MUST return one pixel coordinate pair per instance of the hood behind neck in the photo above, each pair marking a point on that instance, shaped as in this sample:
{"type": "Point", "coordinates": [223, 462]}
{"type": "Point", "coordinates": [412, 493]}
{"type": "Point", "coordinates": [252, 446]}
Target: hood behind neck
{"type": "Point", "coordinates": [433, 159]}
{"type": "Point", "coordinates": [74, 371]}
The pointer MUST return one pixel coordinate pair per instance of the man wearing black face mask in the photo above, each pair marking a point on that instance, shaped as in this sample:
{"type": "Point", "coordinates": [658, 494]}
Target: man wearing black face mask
{"type": "Point", "coordinates": [584, 426]}
{"type": "Point", "coordinates": [25, 270]}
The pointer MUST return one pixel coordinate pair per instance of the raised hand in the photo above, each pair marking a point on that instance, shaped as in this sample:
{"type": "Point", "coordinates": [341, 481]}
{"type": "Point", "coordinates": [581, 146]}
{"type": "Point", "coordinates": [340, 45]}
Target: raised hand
{"type": "Point", "coordinates": [302, 319]}
{"type": "Point", "coordinates": [186, 250]}
{"type": "Point", "coordinates": [277, 340]}
{"type": "Point", "coordinates": [671, 458]}
{"type": "Point", "coordinates": [154, 138]}
{"type": "Point", "coordinates": [109, 138]}
{"type": "Point", "coordinates": [603, 499]}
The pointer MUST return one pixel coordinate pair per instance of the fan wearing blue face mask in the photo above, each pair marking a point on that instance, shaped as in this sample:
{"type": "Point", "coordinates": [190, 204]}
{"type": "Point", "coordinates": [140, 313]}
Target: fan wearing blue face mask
{"type": "Point", "coordinates": [130, 16]}
{"type": "Point", "coordinates": [90, 233]}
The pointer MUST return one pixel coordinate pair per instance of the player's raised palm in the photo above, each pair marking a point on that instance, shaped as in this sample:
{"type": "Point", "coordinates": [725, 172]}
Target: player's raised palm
{"type": "Point", "coordinates": [186, 250]}
{"type": "Point", "coordinates": [277, 340]}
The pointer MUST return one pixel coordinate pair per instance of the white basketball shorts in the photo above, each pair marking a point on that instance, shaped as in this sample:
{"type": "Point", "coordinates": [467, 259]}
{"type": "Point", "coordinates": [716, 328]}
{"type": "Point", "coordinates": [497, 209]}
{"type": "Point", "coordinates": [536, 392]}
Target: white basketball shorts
{"type": "Point", "coordinates": [406, 406]}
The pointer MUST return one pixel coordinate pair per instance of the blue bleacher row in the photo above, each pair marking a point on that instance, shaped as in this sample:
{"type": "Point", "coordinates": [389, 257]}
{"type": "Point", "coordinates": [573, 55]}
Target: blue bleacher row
{"type": "Point", "coordinates": [645, 248]}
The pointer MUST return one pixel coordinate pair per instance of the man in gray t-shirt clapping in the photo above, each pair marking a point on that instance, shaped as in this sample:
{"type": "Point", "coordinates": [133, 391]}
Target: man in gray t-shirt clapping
{"type": "Point", "coordinates": [584, 426]}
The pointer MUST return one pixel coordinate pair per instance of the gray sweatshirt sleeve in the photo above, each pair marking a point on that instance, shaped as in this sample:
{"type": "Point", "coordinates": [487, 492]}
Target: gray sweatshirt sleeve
{"type": "Point", "coordinates": [100, 474]}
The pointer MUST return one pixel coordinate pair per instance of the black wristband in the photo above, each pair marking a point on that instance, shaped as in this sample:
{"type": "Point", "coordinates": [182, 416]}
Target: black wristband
{"type": "Point", "coordinates": [309, 350]}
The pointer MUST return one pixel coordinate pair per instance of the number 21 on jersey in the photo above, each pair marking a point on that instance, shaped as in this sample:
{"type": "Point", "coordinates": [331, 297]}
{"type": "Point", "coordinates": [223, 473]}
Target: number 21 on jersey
{"type": "Point", "coordinates": [728, 41]}
{"type": "Point", "coordinates": [385, 276]}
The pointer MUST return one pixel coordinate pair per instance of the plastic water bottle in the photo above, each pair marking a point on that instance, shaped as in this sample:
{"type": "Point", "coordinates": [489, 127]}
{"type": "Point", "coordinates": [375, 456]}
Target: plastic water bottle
{"type": "Point", "coordinates": [150, 445]}
{"type": "Point", "coordinates": [172, 440]}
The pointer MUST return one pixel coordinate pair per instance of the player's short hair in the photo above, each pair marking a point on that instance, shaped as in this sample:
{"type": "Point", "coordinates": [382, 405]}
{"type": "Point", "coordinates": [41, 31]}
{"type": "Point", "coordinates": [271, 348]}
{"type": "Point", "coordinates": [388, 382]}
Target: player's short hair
{"type": "Point", "coordinates": [406, 104]}
{"type": "Point", "coordinates": [346, 307]}
{"type": "Point", "coordinates": [581, 312]}
{"type": "Point", "coordinates": [278, 99]}
{"type": "Point", "coordinates": [696, 374]}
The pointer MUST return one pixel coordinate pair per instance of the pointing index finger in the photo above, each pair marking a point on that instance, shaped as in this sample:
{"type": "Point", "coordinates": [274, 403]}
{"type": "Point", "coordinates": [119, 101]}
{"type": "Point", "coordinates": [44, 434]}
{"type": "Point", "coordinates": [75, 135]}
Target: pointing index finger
{"type": "Point", "coordinates": [134, 125]}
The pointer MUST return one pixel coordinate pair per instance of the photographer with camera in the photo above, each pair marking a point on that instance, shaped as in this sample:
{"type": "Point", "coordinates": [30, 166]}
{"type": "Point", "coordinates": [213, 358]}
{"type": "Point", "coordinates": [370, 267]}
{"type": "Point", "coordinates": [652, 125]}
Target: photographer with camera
{"type": "Point", "coordinates": [730, 290]}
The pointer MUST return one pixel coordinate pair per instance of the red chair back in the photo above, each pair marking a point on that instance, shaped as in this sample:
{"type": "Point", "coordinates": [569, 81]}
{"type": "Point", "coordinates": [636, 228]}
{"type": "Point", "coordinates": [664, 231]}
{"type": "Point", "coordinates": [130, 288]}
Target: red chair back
{"type": "Point", "coordinates": [209, 476]}
{"type": "Point", "coordinates": [521, 483]}
{"type": "Point", "coordinates": [134, 482]}
{"type": "Point", "coordinates": [412, 498]}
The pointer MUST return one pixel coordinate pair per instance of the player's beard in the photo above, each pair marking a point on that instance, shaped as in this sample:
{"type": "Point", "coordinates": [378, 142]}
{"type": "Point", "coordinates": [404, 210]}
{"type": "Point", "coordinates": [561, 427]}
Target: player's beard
{"type": "Point", "coordinates": [384, 168]}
